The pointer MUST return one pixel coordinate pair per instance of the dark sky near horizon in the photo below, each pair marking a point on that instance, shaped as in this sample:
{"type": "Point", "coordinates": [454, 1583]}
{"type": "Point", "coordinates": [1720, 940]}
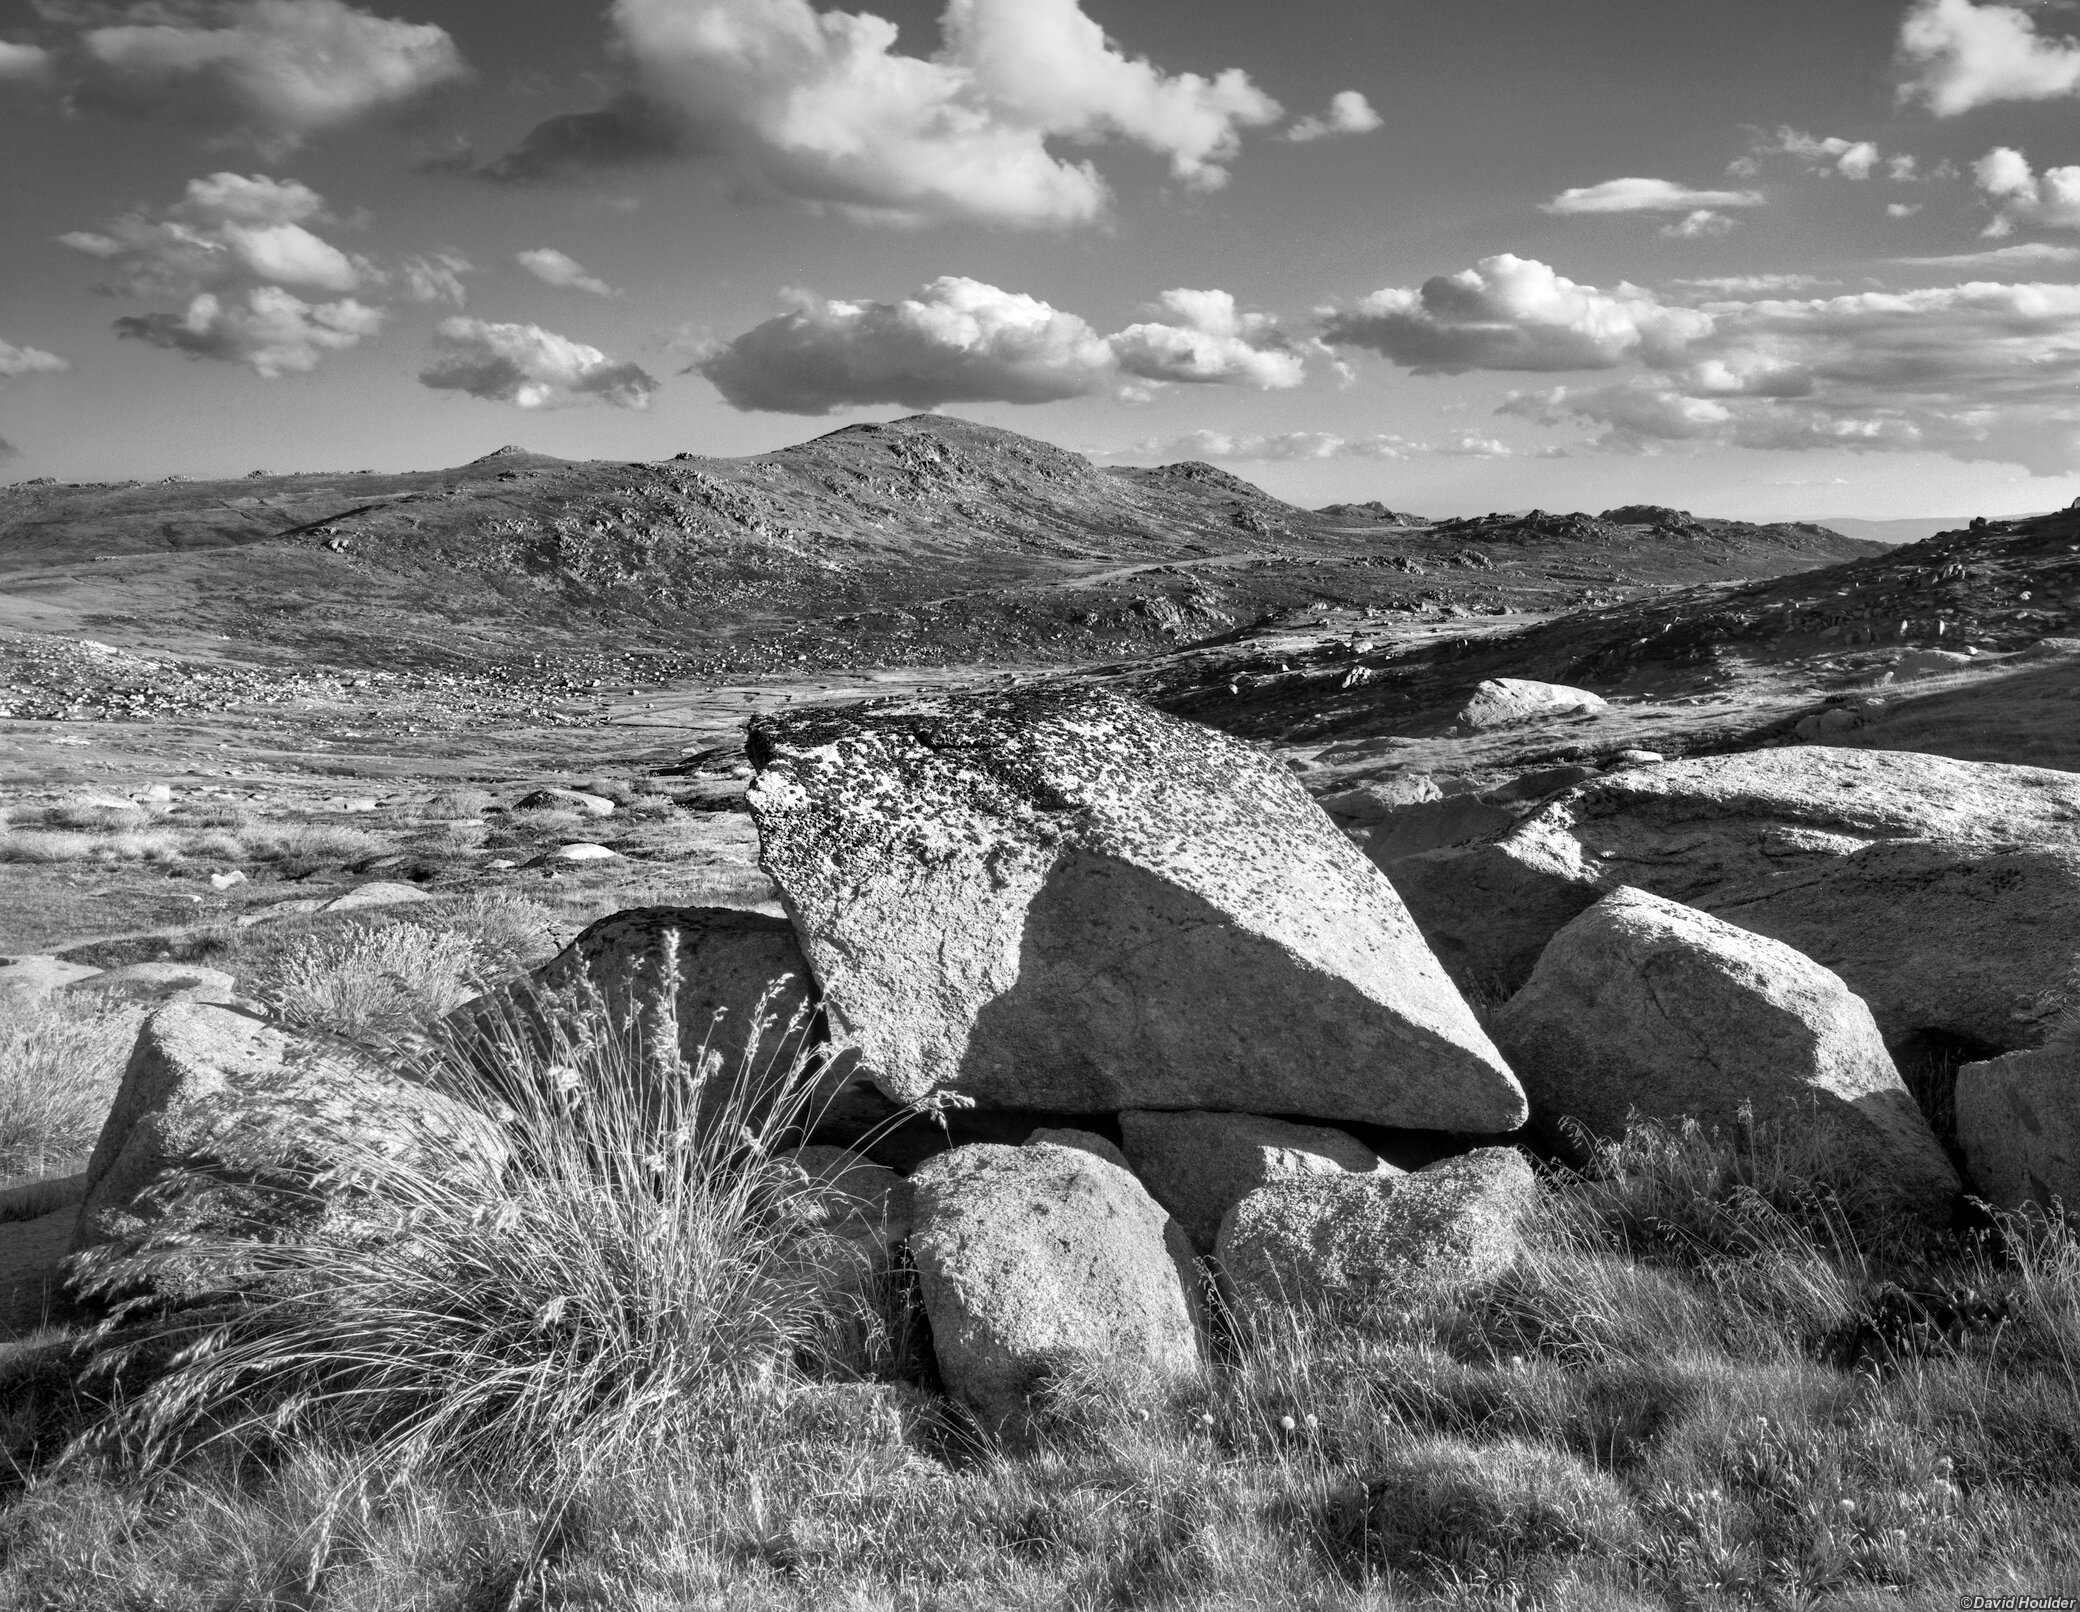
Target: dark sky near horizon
{"type": "Point", "coordinates": [1773, 259]}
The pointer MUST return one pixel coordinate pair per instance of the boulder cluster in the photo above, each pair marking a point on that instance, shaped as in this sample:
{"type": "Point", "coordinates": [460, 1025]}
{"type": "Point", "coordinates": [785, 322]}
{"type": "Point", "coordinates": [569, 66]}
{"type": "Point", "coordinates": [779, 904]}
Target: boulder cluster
{"type": "Point", "coordinates": [1234, 1055]}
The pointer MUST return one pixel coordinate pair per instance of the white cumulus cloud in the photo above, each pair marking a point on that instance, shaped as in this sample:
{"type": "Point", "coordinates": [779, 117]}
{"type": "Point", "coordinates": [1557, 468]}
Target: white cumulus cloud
{"type": "Point", "coordinates": [269, 330]}
{"type": "Point", "coordinates": [955, 341]}
{"type": "Point", "coordinates": [277, 72]}
{"type": "Point", "coordinates": [963, 341]}
{"type": "Point", "coordinates": [2021, 196]}
{"type": "Point", "coordinates": [1954, 55]}
{"type": "Point", "coordinates": [1202, 336]}
{"type": "Point", "coordinates": [226, 227]}
{"type": "Point", "coordinates": [1982, 370]}
{"type": "Point", "coordinates": [530, 367]}
{"type": "Point", "coordinates": [28, 361]}
{"type": "Point", "coordinates": [822, 108]}
{"type": "Point", "coordinates": [1348, 113]}
{"type": "Point", "coordinates": [1645, 196]}
{"type": "Point", "coordinates": [560, 269]}
{"type": "Point", "coordinates": [1830, 154]}
{"type": "Point", "coordinates": [1508, 312]}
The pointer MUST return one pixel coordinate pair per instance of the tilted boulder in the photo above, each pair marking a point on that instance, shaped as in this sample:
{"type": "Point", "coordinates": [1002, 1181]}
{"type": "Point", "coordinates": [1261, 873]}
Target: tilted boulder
{"type": "Point", "coordinates": [1060, 899]}
{"type": "Point", "coordinates": [1199, 1165]}
{"type": "Point", "coordinates": [1642, 1005]}
{"type": "Point", "coordinates": [1352, 1243]}
{"type": "Point", "coordinates": [2018, 1122]}
{"type": "Point", "coordinates": [1501, 701]}
{"type": "Point", "coordinates": [255, 1120]}
{"type": "Point", "coordinates": [1945, 893]}
{"type": "Point", "coordinates": [724, 985]}
{"type": "Point", "coordinates": [1042, 1260]}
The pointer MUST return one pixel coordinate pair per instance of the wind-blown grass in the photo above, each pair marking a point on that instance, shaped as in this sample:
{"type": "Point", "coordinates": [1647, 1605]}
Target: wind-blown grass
{"type": "Point", "coordinates": [628, 1265]}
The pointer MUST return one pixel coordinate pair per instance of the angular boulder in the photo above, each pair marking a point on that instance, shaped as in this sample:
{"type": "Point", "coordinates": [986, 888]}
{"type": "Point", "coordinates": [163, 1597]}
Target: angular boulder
{"type": "Point", "coordinates": [728, 988]}
{"type": "Point", "coordinates": [1500, 701]}
{"type": "Point", "coordinates": [1642, 1005]}
{"type": "Point", "coordinates": [1039, 1260]}
{"type": "Point", "coordinates": [1060, 899]}
{"type": "Point", "coordinates": [1945, 893]}
{"type": "Point", "coordinates": [257, 1117]}
{"type": "Point", "coordinates": [1199, 1165]}
{"type": "Point", "coordinates": [2018, 1122]}
{"type": "Point", "coordinates": [1352, 1243]}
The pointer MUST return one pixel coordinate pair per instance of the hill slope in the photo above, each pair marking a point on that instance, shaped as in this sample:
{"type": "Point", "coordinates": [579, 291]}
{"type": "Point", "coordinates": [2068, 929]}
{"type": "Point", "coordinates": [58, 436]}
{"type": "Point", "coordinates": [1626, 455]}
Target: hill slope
{"type": "Point", "coordinates": [924, 540]}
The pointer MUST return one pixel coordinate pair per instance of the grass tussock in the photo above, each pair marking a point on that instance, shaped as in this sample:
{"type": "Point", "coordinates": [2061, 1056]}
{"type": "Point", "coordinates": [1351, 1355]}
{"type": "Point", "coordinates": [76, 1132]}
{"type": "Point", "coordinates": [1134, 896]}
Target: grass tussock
{"type": "Point", "coordinates": [631, 1366]}
{"type": "Point", "coordinates": [619, 1260]}
{"type": "Point", "coordinates": [61, 1058]}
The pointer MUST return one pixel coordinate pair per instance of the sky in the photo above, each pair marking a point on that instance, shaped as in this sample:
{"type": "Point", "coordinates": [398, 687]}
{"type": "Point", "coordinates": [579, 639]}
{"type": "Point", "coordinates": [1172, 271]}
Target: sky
{"type": "Point", "coordinates": [1772, 260]}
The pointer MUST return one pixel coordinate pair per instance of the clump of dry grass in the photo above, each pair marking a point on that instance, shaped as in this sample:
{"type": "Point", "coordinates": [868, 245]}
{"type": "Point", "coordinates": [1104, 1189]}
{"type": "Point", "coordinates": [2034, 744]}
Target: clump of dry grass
{"type": "Point", "coordinates": [61, 1058]}
{"type": "Point", "coordinates": [635, 1270]}
{"type": "Point", "coordinates": [385, 981]}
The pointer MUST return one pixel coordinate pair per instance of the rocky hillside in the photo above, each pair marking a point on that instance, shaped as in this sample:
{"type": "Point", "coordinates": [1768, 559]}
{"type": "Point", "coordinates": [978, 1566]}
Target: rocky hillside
{"type": "Point", "coordinates": [1991, 588]}
{"type": "Point", "coordinates": [921, 541]}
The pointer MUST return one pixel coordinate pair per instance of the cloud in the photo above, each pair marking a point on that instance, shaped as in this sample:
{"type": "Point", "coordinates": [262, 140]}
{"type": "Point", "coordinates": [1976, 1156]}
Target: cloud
{"type": "Point", "coordinates": [1207, 339]}
{"type": "Point", "coordinates": [1701, 224]}
{"type": "Point", "coordinates": [1645, 196]}
{"type": "Point", "coordinates": [556, 268]}
{"type": "Point", "coordinates": [8, 450]}
{"type": "Point", "coordinates": [1750, 285]}
{"type": "Point", "coordinates": [276, 72]}
{"type": "Point", "coordinates": [1510, 313]}
{"type": "Point", "coordinates": [963, 341]}
{"type": "Point", "coordinates": [1852, 159]}
{"type": "Point", "coordinates": [1286, 445]}
{"type": "Point", "coordinates": [2020, 258]}
{"type": "Point", "coordinates": [227, 227]}
{"type": "Point", "coordinates": [435, 277]}
{"type": "Point", "coordinates": [23, 64]}
{"type": "Point", "coordinates": [956, 341]}
{"type": "Point", "coordinates": [28, 361]}
{"type": "Point", "coordinates": [571, 144]}
{"type": "Point", "coordinates": [1983, 370]}
{"type": "Point", "coordinates": [819, 107]}
{"type": "Point", "coordinates": [1348, 113]}
{"type": "Point", "coordinates": [1902, 209]}
{"type": "Point", "coordinates": [1954, 55]}
{"type": "Point", "coordinates": [2050, 200]}
{"type": "Point", "coordinates": [531, 367]}
{"type": "Point", "coordinates": [271, 331]}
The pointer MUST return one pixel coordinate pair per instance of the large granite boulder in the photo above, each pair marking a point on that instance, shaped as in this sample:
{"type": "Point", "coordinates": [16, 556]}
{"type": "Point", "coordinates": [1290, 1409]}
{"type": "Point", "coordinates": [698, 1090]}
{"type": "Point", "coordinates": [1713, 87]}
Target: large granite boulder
{"type": "Point", "coordinates": [1503, 701]}
{"type": "Point", "coordinates": [1040, 1261]}
{"type": "Point", "coordinates": [1945, 893]}
{"type": "Point", "coordinates": [2018, 1122]}
{"type": "Point", "coordinates": [1349, 1244]}
{"type": "Point", "coordinates": [1060, 899]}
{"type": "Point", "coordinates": [1644, 1006]}
{"type": "Point", "coordinates": [1199, 1165]}
{"type": "Point", "coordinates": [265, 1130]}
